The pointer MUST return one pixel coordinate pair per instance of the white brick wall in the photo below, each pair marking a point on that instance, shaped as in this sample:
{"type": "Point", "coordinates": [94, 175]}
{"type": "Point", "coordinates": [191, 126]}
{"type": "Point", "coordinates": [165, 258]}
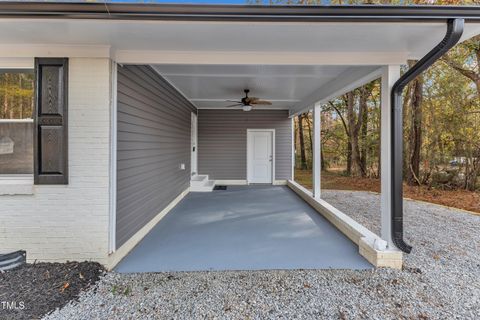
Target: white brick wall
{"type": "Point", "coordinates": [59, 223]}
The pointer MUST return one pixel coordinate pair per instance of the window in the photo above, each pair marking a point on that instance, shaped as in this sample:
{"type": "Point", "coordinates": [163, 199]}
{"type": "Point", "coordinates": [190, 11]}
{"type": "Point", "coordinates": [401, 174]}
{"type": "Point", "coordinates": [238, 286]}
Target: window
{"type": "Point", "coordinates": [16, 122]}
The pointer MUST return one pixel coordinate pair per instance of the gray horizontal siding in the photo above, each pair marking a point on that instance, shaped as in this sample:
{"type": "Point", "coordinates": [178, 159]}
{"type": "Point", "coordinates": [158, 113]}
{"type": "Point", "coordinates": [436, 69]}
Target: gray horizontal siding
{"type": "Point", "coordinates": [222, 141]}
{"type": "Point", "coordinates": [153, 139]}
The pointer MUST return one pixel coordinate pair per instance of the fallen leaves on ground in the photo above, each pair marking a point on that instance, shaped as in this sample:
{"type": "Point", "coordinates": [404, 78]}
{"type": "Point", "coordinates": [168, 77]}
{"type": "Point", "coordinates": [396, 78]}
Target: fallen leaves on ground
{"type": "Point", "coordinates": [461, 199]}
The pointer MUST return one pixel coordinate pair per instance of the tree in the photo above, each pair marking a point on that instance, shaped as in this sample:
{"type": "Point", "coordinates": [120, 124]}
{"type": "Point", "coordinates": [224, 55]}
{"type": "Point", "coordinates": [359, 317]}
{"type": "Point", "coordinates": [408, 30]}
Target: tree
{"type": "Point", "coordinates": [465, 59]}
{"type": "Point", "coordinates": [16, 95]}
{"type": "Point", "coordinates": [355, 124]}
{"type": "Point", "coordinates": [303, 158]}
{"type": "Point", "coordinates": [441, 119]}
{"type": "Point", "coordinates": [338, 105]}
{"type": "Point", "coordinates": [414, 97]}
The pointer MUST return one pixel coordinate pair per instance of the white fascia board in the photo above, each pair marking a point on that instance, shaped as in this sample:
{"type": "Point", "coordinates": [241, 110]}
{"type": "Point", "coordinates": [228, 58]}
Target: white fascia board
{"type": "Point", "coordinates": [17, 63]}
{"type": "Point", "coordinates": [54, 50]}
{"type": "Point", "coordinates": [470, 30]}
{"type": "Point", "coordinates": [259, 57]}
{"type": "Point", "coordinates": [345, 82]}
{"type": "Point", "coordinates": [240, 108]}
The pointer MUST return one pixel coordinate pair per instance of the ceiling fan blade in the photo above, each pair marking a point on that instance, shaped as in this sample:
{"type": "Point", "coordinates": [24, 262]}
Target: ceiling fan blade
{"type": "Point", "coordinates": [263, 102]}
{"type": "Point", "coordinates": [234, 105]}
{"type": "Point", "coordinates": [233, 101]}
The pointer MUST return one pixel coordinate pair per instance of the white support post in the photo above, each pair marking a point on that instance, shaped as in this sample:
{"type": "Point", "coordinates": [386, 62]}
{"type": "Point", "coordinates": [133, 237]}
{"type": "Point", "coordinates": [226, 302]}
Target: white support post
{"type": "Point", "coordinates": [390, 74]}
{"type": "Point", "coordinates": [316, 151]}
{"type": "Point", "coordinates": [113, 159]}
{"type": "Point", "coordinates": [292, 176]}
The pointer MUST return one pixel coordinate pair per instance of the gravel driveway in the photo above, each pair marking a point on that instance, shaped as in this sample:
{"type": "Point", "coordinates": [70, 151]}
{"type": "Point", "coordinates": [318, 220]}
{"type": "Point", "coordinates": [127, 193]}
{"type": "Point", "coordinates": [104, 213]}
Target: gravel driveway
{"type": "Point", "coordinates": [441, 280]}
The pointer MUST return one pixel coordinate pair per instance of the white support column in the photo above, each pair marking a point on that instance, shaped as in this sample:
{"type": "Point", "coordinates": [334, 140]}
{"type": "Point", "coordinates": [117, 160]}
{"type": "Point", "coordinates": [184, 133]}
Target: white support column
{"type": "Point", "coordinates": [292, 176]}
{"type": "Point", "coordinates": [390, 74]}
{"type": "Point", "coordinates": [112, 220]}
{"type": "Point", "coordinates": [316, 151]}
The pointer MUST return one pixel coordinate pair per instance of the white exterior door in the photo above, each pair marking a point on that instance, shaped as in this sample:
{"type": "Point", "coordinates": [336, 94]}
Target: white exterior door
{"type": "Point", "coordinates": [194, 143]}
{"type": "Point", "coordinates": [260, 162]}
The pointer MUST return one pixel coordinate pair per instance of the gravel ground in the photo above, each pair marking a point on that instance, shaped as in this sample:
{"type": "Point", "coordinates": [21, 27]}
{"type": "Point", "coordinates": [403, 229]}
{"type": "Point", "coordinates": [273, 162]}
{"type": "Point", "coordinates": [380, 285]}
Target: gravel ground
{"type": "Point", "coordinates": [440, 280]}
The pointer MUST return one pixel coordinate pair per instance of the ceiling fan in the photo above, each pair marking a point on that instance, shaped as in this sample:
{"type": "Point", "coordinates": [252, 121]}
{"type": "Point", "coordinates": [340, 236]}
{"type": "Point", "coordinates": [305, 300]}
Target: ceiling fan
{"type": "Point", "coordinates": [247, 103]}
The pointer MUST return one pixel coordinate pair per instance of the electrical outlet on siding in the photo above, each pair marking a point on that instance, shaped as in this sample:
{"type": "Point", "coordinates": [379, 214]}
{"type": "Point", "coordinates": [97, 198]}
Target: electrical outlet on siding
{"type": "Point", "coordinates": [182, 166]}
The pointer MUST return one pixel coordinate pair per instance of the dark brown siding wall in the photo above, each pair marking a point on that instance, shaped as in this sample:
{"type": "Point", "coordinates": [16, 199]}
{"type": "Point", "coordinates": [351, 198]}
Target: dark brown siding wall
{"type": "Point", "coordinates": [222, 141]}
{"type": "Point", "coordinates": [153, 139]}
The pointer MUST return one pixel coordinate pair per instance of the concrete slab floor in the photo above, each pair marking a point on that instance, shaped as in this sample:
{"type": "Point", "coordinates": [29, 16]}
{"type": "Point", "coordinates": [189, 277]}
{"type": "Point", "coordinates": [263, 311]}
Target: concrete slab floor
{"type": "Point", "coordinates": [243, 228]}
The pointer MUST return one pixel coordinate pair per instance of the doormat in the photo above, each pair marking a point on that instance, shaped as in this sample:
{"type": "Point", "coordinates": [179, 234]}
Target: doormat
{"type": "Point", "coordinates": [220, 188]}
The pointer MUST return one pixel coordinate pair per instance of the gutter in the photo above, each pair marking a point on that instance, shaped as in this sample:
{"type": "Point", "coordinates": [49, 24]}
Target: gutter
{"type": "Point", "coordinates": [452, 36]}
{"type": "Point", "coordinates": [183, 12]}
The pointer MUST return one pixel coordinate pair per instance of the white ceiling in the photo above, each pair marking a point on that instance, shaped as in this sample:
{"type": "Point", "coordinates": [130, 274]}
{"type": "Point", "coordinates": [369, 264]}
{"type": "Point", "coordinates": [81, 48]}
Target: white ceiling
{"type": "Point", "coordinates": [218, 36]}
{"type": "Point", "coordinates": [208, 86]}
{"type": "Point", "coordinates": [412, 38]}
{"type": "Point", "coordinates": [209, 62]}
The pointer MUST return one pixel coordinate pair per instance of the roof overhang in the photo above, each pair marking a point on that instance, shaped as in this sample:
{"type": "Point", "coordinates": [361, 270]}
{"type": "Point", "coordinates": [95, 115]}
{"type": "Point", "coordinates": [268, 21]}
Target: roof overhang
{"type": "Point", "coordinates": [357, 40]}
{"type": "Point", "coordinates": [164, 33]}
{"type": "Point", "coordinates": [149, 11]}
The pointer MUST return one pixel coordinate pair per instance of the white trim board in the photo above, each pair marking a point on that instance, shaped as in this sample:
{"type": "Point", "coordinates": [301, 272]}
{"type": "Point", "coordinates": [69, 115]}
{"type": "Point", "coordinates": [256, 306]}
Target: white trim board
{"type": "Point", "coordinates": [112, 219]}
{"type": "Point", "coordinates": [249, 131]}
{"type": "Point", "coordinates": [193, 143]}
{"type": "Point", "coordinates": [258, 57]}
{"type": "Point", "coordinates": [292, 123]}
{"type": "Point", "coordinates": [16, 184]}
{"type": "Point", "coordinates": [120, 253]}
{"type": "Point", "coordinates": [17, 63]}
{"type": "Point", "coordinates": [231, 182]}
{"type": "Point", "coordinates": [240, 108]}
{"type": "Point", "coordinates": [345, 82]}
{"type": "Point", "coordinates": [54, 50]}
{"type": "Point", "coordinates": [244, 182]}
{"type": "Point", "coordinates": [164, 77]}
{"type": "Point", "coordinates": [370, 246]}
{"type": "Point", "coordinates": [16, 120]}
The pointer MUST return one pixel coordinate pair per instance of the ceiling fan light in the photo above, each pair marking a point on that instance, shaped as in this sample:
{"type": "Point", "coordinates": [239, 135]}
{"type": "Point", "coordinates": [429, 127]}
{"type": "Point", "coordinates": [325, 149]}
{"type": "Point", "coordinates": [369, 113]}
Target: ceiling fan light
{"type": "Point", "coordinates": [247, 108]}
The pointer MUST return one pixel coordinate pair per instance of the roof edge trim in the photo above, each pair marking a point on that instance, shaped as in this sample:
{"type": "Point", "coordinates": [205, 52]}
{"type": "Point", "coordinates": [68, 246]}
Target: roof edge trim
{"type": "Point", "coordinates": [135, 11]}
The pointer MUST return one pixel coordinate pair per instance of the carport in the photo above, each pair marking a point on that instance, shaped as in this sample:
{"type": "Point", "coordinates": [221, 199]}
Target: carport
{"type": "Point", "coordinates": [243, 228]}
{"type": "Point", "coordinates": [163, 72]}
{"type": "Point", "coordinates": [209, 60]}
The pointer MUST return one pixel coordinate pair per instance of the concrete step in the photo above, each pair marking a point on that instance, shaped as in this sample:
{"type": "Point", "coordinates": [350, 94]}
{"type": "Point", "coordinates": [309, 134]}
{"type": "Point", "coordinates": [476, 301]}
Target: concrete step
{"type": "Point", "coordinates": [206, 187]}
{"type": "Point", "coordinates": [198, 180]}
